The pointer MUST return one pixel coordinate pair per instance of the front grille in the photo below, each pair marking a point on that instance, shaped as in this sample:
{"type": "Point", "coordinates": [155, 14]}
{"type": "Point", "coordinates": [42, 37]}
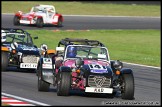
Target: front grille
{"type": "Point", "coordinates": [99, 81]}
{"type": "Point", "coordinates": [29, 59]}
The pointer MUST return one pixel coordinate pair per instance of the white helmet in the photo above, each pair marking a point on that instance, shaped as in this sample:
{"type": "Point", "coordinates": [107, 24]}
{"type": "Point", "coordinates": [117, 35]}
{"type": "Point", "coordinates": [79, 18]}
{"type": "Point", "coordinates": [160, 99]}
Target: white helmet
{"type": "Point", "coordinates": [44, 47]}
{"type": "Point", "coordinates": [3, 36]}
{"type": "Point", "coordinates": [14, 45]}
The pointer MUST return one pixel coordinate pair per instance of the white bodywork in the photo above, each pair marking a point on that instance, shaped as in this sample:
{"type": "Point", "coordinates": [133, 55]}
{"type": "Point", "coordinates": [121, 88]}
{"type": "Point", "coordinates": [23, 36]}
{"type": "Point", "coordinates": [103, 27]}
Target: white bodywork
{"type": "Point", "coordinates": [46, 11]}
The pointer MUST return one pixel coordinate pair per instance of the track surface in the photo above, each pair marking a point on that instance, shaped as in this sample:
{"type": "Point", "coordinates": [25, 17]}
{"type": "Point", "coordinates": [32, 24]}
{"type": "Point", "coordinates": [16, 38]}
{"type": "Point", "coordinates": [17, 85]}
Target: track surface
{"type": "Point", "coordinates": [147, 80]}
{"type": "Point", "coordinates": [24, 84]}
{"type": "Point", "coordinates": [89, 22]}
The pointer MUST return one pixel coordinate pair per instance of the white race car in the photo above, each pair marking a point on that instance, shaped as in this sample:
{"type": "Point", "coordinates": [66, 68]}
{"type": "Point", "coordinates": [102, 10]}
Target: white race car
{"type": "Point", "coordinates": [39, 16]}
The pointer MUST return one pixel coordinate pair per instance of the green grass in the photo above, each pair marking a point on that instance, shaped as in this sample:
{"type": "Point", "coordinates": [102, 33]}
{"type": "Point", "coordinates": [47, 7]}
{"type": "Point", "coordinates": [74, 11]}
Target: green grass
{"type": "Point", "coordinates": [136, 46]}
{"type": "Point", "coordinates": [86, 8]}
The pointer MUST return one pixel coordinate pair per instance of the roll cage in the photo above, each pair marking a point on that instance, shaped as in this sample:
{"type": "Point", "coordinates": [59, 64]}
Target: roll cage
{"type": "Point", "coordinates": [43, 8]}
{"type": "Point", "coordinates": [15, 34]}
{"type": "Point", "coordinates": [69, 41]}
{"type": "Point", "coordinates": [79, 42]}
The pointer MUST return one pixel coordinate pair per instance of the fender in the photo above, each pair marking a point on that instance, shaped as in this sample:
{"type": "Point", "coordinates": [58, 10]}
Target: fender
{"type": "Point", "coordinates": [126, 71]}
{"type": "Point", "coordinates": [39, 17]}
{"type": "Point", "coordinates": [51, 51]}
{"type": "Point", "coordinates": [19, 13]}
{"type": "Point", "coordinates": [59, 17]}
{"type": "Point", "coordinates": [64, 69]}
{"type": "Point", "coordinates": [46, 70]}
{"type": "Point", "coordinates": [4, 49]}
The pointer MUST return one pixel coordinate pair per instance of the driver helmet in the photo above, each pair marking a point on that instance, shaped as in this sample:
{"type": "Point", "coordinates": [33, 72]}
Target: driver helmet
{"type": "Point", "coordinates": [3, 36]}
{"type": "Point", "coordinates": [71, 52]}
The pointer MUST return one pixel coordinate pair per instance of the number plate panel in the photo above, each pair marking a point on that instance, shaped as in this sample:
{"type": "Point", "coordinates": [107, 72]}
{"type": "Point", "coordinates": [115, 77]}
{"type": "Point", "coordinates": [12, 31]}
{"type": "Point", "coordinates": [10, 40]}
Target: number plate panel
{"type": "Point", "coordinates": [28, 65]}
{"type": "Point", "coordinates": [98, 90]}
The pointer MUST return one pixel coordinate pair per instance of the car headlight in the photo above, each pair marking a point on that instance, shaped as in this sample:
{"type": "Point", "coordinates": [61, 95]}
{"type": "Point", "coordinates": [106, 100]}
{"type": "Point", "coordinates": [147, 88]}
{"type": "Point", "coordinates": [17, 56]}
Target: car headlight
{"type": "Point", "coordinates": [118, 65]}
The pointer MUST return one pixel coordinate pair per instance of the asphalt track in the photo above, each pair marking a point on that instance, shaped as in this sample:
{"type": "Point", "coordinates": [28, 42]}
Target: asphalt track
{"type": "Point", "coordinates": [147, 80]}
{"type": "Point", "coordinates": [24, 84]}
{"type": "Point", "coordinates": [90, 22]}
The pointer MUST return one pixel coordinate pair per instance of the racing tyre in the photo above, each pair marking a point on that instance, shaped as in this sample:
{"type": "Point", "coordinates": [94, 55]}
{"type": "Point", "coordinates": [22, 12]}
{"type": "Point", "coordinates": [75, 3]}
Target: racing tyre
{"type": "Point", "coordinates": [4, 60]}
{"type": "Point", "coordinates": [59, 23]}
{"type": "Point", "coordinates": [63, 84]}
{"type": "Point", "coordinates": [39, 22]}
{"type": "Point", "coordinates": [127, 87]}
{"type": "Point", "coordinates": [16, 20]}
{"type": "Point", "coordinates": [42, 85]}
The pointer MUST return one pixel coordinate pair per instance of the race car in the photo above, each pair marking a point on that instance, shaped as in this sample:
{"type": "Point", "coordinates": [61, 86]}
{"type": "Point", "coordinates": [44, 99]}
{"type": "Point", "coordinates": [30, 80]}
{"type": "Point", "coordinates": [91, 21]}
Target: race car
{"type": "Point", "coordinates": [85, 65]}
{"type": "Point", "coordinates": [39, 15]}
{"type": "Point", "coordinates": [18, 49]}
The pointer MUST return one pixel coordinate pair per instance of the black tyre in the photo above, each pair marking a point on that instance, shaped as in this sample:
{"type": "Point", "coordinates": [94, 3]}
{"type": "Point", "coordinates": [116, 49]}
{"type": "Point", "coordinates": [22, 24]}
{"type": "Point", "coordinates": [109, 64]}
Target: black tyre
{"type": "Point", "coordinates": [127, 87]}
{"type": "Point", "coordinates": [59, 22]}
{"type": "Point", "coordinates": [16, 20]}
{"type": "Point", "coordinates": [4, 60]}
{"type": "Point", "coordinates": [39, 22]}
{"type": "Point", "coordinates": [63, 84]}
{"type": "Point", "coordinates": [42, 85]}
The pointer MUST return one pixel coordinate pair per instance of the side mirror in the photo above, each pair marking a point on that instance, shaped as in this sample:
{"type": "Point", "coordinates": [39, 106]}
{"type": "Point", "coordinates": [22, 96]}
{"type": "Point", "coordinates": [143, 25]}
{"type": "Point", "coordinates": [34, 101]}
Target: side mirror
{"type": "Point", "coordinates": [35, 46]}
{"type": "Point", "coordinates": [36, 37]}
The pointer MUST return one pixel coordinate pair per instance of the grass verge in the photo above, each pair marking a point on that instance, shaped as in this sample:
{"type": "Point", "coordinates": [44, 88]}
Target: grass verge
{"type": "Point", "coordinates": [85, 8]}
{"type": "Point", "coordinates": [135, 46]}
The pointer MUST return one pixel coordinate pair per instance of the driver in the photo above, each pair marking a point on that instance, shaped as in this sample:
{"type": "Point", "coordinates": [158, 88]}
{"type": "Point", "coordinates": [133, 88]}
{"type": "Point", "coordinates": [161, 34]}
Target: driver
{"type": "Point", "coordinates": [71, 52]}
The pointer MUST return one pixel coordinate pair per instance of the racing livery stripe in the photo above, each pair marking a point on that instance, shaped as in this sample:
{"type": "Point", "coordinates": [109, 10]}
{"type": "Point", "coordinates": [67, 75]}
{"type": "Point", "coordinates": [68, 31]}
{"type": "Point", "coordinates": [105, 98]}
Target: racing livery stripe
{"type": "Point", "coordinates": [14, 102]}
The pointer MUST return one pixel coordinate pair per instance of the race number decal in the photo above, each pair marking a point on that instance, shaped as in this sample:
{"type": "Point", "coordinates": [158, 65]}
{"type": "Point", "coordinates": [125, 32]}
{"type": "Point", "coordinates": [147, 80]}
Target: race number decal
{"type": "Point", "coordinates": [96, 68]}
{"type": "Point", "coordinates": [47, 60]}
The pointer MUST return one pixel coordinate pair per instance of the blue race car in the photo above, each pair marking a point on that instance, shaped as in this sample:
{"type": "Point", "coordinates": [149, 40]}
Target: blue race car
{"type": "Point", "coordinates": [18, 49]}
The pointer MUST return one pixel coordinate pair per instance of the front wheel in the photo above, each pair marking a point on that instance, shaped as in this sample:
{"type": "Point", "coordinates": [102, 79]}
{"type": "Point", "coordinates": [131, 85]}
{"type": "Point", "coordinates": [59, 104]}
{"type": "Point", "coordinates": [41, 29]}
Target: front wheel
{"type": "Point", "coordinates": [42, 85]}
{"type": "Point", "coordinates": [127, 86]}
{"type": "Point", "coordinates": [16, 20]}
{"type": "Point", "coordinates": [4, 60]}
{"type": "Point", "coordinates": [63, 83]}
{"type": "Point", "coordinates": [39, 22]}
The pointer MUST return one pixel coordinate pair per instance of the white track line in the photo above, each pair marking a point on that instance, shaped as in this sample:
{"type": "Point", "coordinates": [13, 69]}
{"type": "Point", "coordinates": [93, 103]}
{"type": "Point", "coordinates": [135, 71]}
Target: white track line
{"type": "Point", "coordinates": [24, 99]}
{"type": "Point", "coordinates": [142, 65]}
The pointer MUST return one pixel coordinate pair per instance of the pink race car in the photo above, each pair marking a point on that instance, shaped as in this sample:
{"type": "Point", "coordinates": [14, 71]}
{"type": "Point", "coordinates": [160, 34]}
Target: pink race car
{"type": "Point", "coordinates": [39, 16]}
{"type": "Point", "coordinates": [85, 65]}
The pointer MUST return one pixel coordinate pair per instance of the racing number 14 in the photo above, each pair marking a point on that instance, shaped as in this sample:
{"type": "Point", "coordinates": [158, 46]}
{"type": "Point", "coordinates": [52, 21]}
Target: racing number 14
{"type": "Point", "coordinates": [97, 66]}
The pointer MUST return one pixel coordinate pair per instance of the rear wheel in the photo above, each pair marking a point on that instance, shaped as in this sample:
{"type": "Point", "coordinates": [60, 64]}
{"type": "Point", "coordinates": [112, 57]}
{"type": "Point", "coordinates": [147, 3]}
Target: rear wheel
{"type": "Point", "coordinates": [4, 60]}
{"type": "Point", "coordinates": [39, 22]}
{"type": "Point", "coordinates": [63, 84]}
{"type": "Point", "coordinates": [127, 86]}
{"type": "Point", "coordinates": [42, 85]}
{"type": "Point", "coordinates": [16, 20]}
